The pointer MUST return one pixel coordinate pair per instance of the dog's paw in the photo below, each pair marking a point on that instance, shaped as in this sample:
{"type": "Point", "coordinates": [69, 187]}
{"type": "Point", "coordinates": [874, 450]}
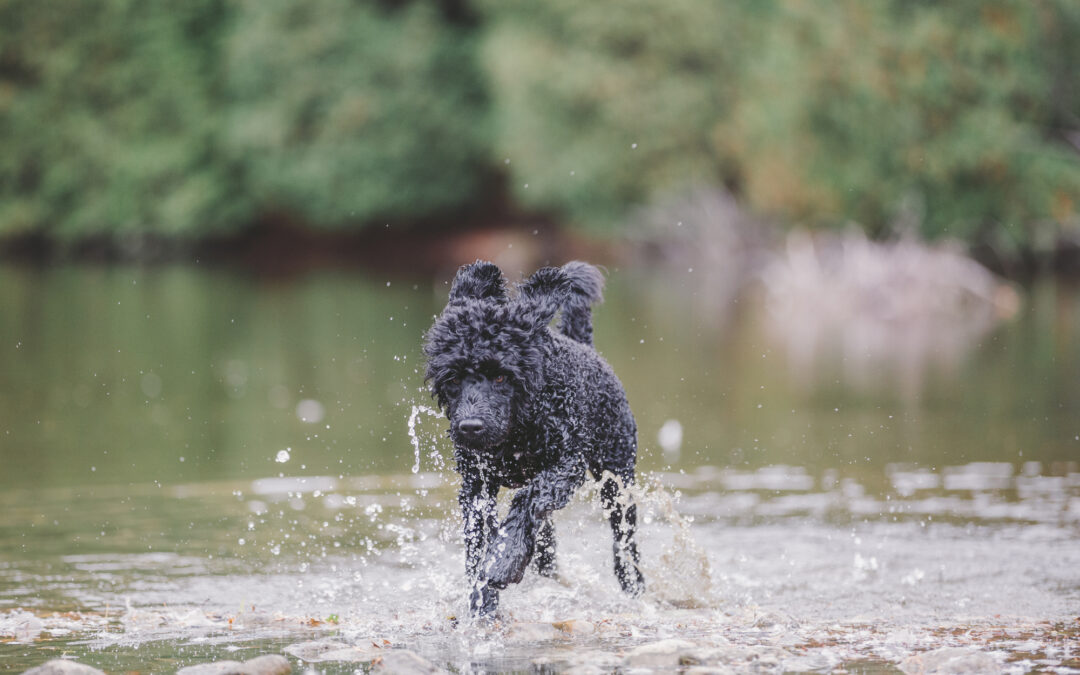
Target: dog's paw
{"type": "Point", "coordinates": [632, 581]}
{"type": "Point", "coordinates": [506, 565]}
{"type": "Point", "coordinates": [483, 601]}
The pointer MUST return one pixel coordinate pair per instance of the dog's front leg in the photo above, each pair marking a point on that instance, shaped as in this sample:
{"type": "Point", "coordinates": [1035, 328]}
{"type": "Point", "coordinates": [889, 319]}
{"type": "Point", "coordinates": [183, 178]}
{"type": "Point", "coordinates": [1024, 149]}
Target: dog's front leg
{"type": "Point", "coordinates": [515, 543]}
{"type": "Point", "coordinates": [478, 511]}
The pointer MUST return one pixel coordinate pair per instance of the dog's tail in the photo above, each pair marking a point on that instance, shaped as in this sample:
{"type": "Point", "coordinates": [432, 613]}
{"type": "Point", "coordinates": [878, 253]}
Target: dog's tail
{"type": "Point", "coordinates": [586, 287]}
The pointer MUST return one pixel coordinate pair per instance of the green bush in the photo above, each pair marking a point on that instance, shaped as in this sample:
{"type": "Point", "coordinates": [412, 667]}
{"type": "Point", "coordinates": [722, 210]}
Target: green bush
{"type": "Point", "coordinates": [822, 113]}
{"type": "Point", "coordinates": [345, 112]}
{"type": "Point", "coordinates": [125, 117]}
{"type": "Point", "coordinates": [190, 119]}
{"type": "Point", "coordinates": [108, 119]}
{"type": "Point", "coordinates": [855, 111]}
{"type": "Point", "coordinates": [606, 104]}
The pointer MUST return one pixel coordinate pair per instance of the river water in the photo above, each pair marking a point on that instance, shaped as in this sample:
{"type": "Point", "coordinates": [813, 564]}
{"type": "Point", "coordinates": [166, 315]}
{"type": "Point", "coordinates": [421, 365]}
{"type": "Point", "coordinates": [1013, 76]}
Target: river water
{"type": "Point", "coordinates": [202, 465]}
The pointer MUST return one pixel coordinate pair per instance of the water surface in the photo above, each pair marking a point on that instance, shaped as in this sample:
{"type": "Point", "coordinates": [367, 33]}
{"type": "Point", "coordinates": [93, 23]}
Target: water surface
{"type": "Point", "coordinates": [201, 465]}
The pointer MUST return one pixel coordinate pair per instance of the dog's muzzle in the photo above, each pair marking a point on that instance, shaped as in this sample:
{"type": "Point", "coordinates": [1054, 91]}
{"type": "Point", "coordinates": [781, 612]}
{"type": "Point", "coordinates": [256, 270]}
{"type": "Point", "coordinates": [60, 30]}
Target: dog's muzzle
{"type": "Point", "coordinates": [476, 432]}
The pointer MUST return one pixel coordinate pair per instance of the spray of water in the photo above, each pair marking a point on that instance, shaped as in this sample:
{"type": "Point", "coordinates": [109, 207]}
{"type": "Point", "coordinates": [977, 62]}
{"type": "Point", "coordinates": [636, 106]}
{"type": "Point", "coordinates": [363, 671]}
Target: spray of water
{"type": "Point", "coordinates": [675, 565]}
{"type": "Point", "coordinates": [372, 562]}
{"type": "Point", "coordinates": [413, 438]}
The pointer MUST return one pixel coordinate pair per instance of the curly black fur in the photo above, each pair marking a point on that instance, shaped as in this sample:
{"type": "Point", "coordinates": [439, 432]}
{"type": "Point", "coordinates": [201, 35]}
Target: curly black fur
{"type": "Point", "coordinates": [534, 408]}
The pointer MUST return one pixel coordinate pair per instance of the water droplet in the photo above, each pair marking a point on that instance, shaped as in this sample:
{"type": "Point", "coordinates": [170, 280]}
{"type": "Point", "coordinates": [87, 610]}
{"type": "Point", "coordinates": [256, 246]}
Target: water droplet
{"type": "Point", "coordinates": [413, 438]}
{"type": "Point", "coordinates": [670, 436]}
{"type": "Point", "coordinates": [151, 385]}
{"type": "Point", "coordinates": [311, 411]}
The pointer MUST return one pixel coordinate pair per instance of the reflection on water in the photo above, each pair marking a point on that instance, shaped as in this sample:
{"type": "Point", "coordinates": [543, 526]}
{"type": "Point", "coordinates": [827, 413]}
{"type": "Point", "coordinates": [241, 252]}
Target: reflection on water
{"type": "Point", "coordinates": [202, 466]}
{"type": "Point", "coordinates": [900, 309]}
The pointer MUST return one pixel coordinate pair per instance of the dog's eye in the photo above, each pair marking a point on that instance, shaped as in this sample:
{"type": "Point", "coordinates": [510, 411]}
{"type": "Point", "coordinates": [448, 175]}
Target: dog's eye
{"type": "Point", "coordinates": [456, 380]}
{"type": "Point", "coordinates": [499, 379]}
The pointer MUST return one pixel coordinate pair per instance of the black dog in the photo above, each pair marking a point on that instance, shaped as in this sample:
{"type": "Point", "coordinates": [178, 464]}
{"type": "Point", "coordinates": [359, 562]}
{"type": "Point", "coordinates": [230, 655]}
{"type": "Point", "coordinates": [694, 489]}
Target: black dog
{"type": "Point", "coordinates": [533, 408]}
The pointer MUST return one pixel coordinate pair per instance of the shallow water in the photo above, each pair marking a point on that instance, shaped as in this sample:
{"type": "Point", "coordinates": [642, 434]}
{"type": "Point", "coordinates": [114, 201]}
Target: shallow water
{"type": "Point", "coordinates": [222, 468]}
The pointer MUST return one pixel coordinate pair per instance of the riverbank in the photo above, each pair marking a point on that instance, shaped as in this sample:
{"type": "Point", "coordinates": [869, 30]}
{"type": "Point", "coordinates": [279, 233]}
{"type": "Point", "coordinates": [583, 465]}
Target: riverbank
{"type": "Point", "coordinates": [286, 248]}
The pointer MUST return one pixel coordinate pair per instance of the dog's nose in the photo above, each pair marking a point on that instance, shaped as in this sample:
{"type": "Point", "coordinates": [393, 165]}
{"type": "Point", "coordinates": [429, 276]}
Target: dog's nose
{"type": "Point", "coordinates": [471, 426]}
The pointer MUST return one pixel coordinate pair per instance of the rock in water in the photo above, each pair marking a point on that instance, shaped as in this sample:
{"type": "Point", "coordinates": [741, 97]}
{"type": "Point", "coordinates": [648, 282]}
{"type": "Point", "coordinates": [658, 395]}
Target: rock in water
{"type": "Point", "coordinates": [270, 664]}
{"type": "Point", "coordinates": [404, 662]}
{"type": "Point", "coordinates": [319, 651]}
{"type": "Point", "coordinates": [575, 627]}
{"type": "Point", "coordinates": [63, 667]}
{"type": "Point", "coordinates": [951, 661]}
{"type": "Point", "coordinates": [662, 654]}
{"type": "Point", "coordinates": [528, 631]}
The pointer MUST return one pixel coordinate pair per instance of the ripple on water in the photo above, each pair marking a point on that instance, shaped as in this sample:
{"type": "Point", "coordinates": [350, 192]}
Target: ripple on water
{"type": "Point", "coordinates": [777, 566]}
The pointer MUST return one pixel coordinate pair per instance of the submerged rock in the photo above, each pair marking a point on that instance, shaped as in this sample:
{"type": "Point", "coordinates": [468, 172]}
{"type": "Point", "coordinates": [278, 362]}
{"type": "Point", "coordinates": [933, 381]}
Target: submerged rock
{"type": "Point", "coordinates": [575, 627]}
{"type": "Point", "coordinates": [662, 654]}
{"type": "Point", "coordinates": [404, 662]}
{"type": "Point", "coordinates": [758, 658]}
{"type": "Point", "coordinates": [63, 667]}
{"type": "Point", "coordinates": [269, 664]}
{"type": "Point", "coordinates": [318, 651]}
{"type": "Point", "coordinates": [23, 626]}
{"type": "Point", "coordinates": [534, 632]}
{"type": "Point", "coordinates": [578, 662]}
{"type": "Point", "coordinates": [717, 657]}
{"type": "Point", "coordinates": [775, 621]}
{"type": "Point", "coordinates": [951, 661]}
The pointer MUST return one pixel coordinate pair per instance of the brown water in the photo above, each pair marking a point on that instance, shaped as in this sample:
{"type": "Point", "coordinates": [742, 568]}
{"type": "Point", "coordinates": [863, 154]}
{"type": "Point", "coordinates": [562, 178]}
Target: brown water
{"type": "Point", "coordinates": [202, 465]}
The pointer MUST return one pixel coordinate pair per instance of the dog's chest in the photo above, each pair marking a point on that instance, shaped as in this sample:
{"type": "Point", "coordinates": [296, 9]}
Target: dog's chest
{"type": "Point", "coordinates": [515, 465]}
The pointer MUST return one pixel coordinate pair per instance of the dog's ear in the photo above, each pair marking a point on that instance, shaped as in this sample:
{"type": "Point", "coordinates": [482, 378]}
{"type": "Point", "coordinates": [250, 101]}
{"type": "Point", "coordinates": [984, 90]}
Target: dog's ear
{"type": "Point", "coordinates": [543, 294]}
{"type": "Point", "coordinates": [481, 281]}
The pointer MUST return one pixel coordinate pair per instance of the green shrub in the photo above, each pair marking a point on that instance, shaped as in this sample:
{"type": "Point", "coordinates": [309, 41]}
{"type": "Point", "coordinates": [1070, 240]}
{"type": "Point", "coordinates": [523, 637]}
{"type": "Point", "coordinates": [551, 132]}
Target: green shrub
{"type": "Point", "coordinates": [855, 111]}
{"type": "Point", "coordinates": [125, 117]}
{"type": "Point", "coordinates": [345, 112]}
{"type": "Point", "coordinates": [606, 104]}
{"type": "Point", "coordinates": [108, 119]}
{"type": "Point", "coordinates": [815, 112]}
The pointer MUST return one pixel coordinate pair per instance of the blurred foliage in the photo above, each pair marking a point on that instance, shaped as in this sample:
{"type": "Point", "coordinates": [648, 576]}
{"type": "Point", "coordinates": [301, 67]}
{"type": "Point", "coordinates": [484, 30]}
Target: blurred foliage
{"type": "Point", "coordinates": [950, 115]}
{"type": "Point", "coordinates": [108, 119]}
{"type": "Point", "coordinates": [944, 114]}
{"type": "Point", "coordinates": [606, 104]}
{"type": "Point", "coordinates": [344, 112]}
{"type": "Point", "coordinates": [120, 117]}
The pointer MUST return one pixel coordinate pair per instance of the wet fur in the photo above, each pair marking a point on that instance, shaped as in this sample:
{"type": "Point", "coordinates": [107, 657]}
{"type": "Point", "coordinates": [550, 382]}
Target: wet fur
{"type": "Point", "coordinates": [530, 407]}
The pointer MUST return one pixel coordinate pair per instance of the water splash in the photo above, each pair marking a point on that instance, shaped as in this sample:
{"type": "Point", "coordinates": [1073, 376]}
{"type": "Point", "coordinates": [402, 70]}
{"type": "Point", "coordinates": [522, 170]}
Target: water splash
{"type": "Point", "coordinates": [675, 565]}
{"type": "Point", "coordinates": [734, 572]}
{"type": "Point", "coordinates": [683, 575]}
{"type": "Point", "coordinates": [413, 438]}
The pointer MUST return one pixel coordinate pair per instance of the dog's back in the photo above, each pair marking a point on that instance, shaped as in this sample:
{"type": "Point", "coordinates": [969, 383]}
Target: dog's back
{"type": "Point", "coordinates": [586, 288]}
